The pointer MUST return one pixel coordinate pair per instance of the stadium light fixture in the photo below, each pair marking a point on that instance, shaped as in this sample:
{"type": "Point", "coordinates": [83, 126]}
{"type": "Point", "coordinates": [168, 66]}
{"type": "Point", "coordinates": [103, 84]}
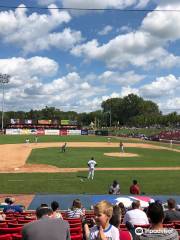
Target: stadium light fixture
{"type": "Point", "coordinates": [4, 79]}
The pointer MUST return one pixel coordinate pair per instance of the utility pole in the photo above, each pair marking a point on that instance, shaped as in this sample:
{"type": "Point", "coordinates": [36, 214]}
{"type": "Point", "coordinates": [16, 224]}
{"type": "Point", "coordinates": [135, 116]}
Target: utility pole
{"type": "Point", "coordinates": [4, 79]}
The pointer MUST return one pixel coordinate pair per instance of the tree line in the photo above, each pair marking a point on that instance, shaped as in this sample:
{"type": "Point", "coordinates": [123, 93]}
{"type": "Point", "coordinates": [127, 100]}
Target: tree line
{"type": "Point", "coordinates": [131, 110]}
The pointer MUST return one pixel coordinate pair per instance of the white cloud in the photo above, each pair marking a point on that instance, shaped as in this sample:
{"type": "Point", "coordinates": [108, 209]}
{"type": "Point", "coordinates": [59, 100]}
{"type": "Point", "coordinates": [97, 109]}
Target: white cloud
{"type": "Point", "coordinates": [135, 48]}
{"type": "Point", "coordinates": [128, 90]}
{"type": "Point", "coordinates": [105, 30]}
{"type": "Point", "coordinates": [97, 3]}
{"type": "Point", "coordinates": [28, 87]}
{"type": "Point", "coordinates": [142, 3]}
{"type": "Point", "coordinates": [164, 25]}
{"type": "Point", "coordinates": [105, 3]}
{"type": "Point", "coordinates": [37, 31]}
{"type": "Point", "coordinates": [28, 68]}
{"type": "Point", "coordinates": [162, 86]}
{"type": "Point", "coordinates": [123, 79]}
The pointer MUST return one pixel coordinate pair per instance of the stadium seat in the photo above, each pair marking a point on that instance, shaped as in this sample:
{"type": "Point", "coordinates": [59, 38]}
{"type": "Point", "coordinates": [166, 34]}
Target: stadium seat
{"type": "Point", "coordinates": [168, 225]}
{"type": "Point", "coordinates": [6, 237]}
{"type": "Point", "coordinates": [125, 235]}
{"type": "Point", "coordinates": [75, 231]}
{"type": "Point", "coordinates": [3, 224]}
{"type": "Point", "coordinates": [73, 225]}
{"type": "Point", "coordinates": [73, 220]}
{"type": "Point", "coordinates": [16, 236]}
{"type": "Point", "coordinates": [14, 225]}
{"type": "Point", "coordinates": [10, 230]}
{"type": "Point", "coordinates": [23, 221]}
{"type": "Point", "coordinates": [76, 237]}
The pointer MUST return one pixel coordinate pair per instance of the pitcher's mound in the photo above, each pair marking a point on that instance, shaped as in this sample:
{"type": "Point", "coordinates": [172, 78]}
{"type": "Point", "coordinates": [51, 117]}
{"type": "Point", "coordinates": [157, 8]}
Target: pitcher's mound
{"type": "Point", "coordinates": [121, 154]}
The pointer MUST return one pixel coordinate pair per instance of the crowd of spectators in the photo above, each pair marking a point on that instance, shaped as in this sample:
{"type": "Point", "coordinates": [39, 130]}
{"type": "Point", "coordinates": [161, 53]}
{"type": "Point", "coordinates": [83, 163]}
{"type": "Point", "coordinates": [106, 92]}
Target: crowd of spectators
{"type": "Point", "coordinates": [104, 222]}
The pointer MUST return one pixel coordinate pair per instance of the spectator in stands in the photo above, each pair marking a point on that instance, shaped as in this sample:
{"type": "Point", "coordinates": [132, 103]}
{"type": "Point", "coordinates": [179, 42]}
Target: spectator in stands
{"type": "Point", "coordinates": [2, 216]}
{"type": "Point", "coordinates": [116, 216]}
{"type": "Point", "coordinates": [114, 188]}
{"type": "Point", "coordinates": [11, 207]}
{"type": "Point", "coordinates": [136, 216]}
{"type": "Point", "coordinates": [44, 205]}
{"type": "Point", "coordinates": [103, 229]}
{"type": "Point", "coordinates": [171, 214]}
{"type": "Point", "coordinates": [6, 201]}
{"type": "Point", "coordinates": [76, 210]}
{"type": "Point", "coordinates": [123, 209]}
{"type": "Point", "coordinates": [156, 216]}
{"type": "Point", "coordinates": [45, 227]}
{"type": "Point", "coordinates": [134, 188]}
{"type": "Point", "coordinates": [56, 211]}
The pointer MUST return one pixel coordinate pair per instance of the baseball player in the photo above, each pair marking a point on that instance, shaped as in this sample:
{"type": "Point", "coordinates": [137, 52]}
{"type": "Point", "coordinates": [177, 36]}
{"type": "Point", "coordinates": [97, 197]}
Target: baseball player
{"type": "Point", "coordinates": [91, 164]}
{"type": "Point", "coordinates": [63, 148]}
{"type": "Point", "coordinates": [121, 147]}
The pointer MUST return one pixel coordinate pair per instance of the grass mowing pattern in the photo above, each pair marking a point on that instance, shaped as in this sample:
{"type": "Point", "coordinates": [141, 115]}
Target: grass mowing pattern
{"type": "Point", "coordinates": [78, 157]}
{"type": "Point", "coordinates": [151, 182]}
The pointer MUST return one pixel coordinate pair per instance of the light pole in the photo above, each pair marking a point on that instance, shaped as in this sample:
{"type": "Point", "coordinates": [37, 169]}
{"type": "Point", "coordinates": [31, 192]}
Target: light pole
{"type": "Point", "coordinates": [4, 79]}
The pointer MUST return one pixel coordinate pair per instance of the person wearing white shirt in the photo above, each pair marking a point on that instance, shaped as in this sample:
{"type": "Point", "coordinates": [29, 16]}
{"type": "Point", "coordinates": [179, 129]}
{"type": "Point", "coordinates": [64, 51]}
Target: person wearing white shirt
{"type": "Point", "coordinates": [91, 164]}
{"type": "Point", "coordinates": [136, 216]}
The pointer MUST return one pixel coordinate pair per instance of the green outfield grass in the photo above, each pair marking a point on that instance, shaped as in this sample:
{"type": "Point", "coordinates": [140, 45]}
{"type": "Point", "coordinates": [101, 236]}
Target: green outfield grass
{"type": "Point", "coordinates": [151, 182]}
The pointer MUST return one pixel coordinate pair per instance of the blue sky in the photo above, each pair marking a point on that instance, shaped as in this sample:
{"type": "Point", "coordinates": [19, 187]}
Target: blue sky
{"type": "Point", "coordinates": [74, 60]}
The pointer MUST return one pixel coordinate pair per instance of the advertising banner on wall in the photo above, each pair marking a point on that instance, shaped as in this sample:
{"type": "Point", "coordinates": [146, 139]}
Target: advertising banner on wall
{"type": "Point", "coordinates": [13, 131]}
{"type": "Point", "coordinates": [40, 132]}
{"type": "Point", "coordinates": [44, 121]}
{"type": "Point", "coordinates": [84, 132]}
{"type": "Point", "coordinates": [63, 132]}
{"type": "Point", "coordinates": [91, 132]}
{"type": "Point", "coordinates": [51, 132]}
{"type": "Point", "coordinates": [73, 132]}
{"type": "Point", "coordinates": [25, 131]}
{"type": "Point", "coordinates": [65, 122]}
{"type": "Point", "coordinates": [33, 131]}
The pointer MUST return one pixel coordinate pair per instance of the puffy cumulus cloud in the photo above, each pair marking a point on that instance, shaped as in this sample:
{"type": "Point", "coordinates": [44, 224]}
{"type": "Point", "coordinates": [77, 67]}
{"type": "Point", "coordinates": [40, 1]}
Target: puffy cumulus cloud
{"type": "Point", "coordinates": [21, 68]}
{"type": "Point", "coordinates": [36, 31]}
{"type": "Point", "coordinates": [170, 105]}
{"type": "Point", "coordinates": [147, 46]}
{"type": "Point", "coordinates": [135, 48]}
{"type": "Point", "coordinates": [104, 4]}
{"type": "Point", "coordinates": [169, 61]}
{"type": "Point", "coordinates": [105, 30]}
{"type": "Point", "coordinates": [162, 86]}
{"type": "Point", "coordinates": [123, 79]}
{"type": "Point", "coordinates": [164, 25]}
{"type": "Point", "coordinates": [28, 88]}
{"type": "Point", "coordinates": [142, 3]}
{"type": "Point", "coordinates": [97, 4]}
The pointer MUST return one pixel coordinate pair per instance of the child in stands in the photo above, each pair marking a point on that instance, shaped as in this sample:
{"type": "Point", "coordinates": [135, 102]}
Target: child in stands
{"type": "Point", "coordinates": [103, 229]}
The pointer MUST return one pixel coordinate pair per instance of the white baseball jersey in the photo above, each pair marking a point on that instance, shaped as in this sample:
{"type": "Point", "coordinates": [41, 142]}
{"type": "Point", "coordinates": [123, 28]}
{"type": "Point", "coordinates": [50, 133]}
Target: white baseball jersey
{"type": "Point", "coordinates": [92, 164]}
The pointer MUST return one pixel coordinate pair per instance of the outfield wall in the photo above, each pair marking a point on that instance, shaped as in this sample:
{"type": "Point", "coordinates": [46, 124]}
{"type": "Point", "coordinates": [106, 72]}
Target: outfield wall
{"type": "Point", "coordinates": [55, 132]}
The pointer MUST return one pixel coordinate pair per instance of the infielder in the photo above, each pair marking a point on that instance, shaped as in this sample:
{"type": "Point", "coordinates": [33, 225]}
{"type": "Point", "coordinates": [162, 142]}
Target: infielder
{"type": "Point", "coordinates": [91, 164]}
{"type": "Point", "coordinates": [121, 147]}
{"type": "Point", "coordinates": [63, 148]}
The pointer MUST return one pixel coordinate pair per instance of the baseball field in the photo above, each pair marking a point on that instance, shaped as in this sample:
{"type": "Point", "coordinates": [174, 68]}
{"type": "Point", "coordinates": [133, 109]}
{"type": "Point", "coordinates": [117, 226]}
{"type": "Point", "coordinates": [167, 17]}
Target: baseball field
{"type": "Point", "coordinates": [42, 168]}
